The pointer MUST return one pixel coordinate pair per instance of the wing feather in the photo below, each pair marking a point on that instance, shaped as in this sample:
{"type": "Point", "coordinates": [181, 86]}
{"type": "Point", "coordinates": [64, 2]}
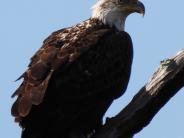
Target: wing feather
{"type": "Point", "coordinates": [61, 47]}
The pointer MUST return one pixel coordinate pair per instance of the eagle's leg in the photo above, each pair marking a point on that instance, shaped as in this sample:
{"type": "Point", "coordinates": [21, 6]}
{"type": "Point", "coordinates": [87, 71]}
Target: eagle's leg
{"type": "Point", "coordinates": [76, 133]}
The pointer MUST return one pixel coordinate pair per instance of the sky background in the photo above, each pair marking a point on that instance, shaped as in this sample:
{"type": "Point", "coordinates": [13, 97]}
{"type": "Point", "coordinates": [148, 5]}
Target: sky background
{"type": "Point", "coordinates": [24, 24]}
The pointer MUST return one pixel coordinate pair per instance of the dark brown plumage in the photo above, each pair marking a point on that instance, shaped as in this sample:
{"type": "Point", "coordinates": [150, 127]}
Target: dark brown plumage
{"type": "Point", "coordinates": [72, 80]}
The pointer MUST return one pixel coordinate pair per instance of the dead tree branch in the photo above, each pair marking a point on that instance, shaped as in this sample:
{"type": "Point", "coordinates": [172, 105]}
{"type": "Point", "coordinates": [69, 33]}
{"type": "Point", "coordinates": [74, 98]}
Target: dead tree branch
{"type": "Point", "coordinates": [164, 84]}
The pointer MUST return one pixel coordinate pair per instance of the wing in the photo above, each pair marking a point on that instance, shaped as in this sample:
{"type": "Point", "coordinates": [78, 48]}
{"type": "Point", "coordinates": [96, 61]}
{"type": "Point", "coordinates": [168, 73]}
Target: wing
{"type": "Point", "coordinates": [60, 49]}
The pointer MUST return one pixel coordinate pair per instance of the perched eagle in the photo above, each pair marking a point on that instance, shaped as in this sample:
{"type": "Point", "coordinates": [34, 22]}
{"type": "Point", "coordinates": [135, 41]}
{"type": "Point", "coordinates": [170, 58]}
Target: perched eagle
{"type": "Point", "coordinates": [77, 73]}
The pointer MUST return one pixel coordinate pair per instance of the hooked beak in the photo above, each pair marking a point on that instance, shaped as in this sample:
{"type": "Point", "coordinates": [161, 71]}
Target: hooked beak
{"type": "Point", "coordinates": [134, 6]}
{"type": "Point", "coordinates": [139, 8]}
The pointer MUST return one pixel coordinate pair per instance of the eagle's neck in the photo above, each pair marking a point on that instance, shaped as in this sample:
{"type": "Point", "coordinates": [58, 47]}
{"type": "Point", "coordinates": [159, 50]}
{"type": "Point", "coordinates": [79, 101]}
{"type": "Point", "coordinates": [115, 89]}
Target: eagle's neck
{"type": "Point", "coordinates": [110, 15]}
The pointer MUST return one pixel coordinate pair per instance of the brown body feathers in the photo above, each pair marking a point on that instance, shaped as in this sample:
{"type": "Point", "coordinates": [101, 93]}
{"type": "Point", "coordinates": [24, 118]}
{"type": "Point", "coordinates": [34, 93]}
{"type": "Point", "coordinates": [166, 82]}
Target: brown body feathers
{"type": "Point", "coordinates": [72, 80]}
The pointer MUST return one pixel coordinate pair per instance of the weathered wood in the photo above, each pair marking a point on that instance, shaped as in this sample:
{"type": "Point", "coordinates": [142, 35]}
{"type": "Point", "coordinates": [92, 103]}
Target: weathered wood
{"type": "Point", "coordinates": [163, 85]}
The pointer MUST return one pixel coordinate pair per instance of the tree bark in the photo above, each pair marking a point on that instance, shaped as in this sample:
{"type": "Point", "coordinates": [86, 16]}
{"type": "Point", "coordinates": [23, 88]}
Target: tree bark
{"type": "Point", "coordinates": [163, 85]}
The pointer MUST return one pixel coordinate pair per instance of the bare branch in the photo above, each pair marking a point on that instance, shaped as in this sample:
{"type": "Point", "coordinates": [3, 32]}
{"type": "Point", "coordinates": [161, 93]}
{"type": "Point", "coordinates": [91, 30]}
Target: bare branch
{"type": "Point", "coordinates": [164, 84]}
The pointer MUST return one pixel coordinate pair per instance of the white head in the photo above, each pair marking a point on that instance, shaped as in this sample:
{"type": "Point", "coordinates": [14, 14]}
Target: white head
{"type": "Point", "coordinates": [114, 12]}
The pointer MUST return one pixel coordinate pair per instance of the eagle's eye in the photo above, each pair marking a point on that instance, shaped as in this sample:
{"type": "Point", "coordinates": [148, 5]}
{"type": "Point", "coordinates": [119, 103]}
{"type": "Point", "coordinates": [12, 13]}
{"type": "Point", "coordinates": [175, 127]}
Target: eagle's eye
{"type": "Point", "coordinates": [120, 1]}
{"type": "Point", "coordinates": [123, 1]}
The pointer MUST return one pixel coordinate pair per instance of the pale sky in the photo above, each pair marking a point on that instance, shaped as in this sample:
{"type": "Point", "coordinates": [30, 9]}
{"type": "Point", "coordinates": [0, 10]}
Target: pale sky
{"type": "Point", "coordinates": [24, 24]}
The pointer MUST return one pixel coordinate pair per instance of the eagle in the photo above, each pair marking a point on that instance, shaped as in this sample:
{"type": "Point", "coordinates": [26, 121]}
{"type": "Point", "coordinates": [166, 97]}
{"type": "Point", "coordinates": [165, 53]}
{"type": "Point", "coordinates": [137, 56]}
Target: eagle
{"type": "Point", "coordinates": [77, 73]}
